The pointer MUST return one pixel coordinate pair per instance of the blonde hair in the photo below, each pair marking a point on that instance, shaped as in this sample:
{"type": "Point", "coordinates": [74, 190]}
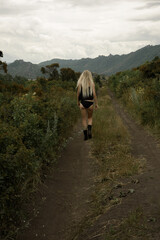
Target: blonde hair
{"type": "Point", "coordinates": [85, 81]}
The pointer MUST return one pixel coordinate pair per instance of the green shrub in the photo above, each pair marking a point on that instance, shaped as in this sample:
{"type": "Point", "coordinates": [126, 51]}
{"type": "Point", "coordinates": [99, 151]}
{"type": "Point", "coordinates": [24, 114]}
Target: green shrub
{"type": "Point", "coordinates": [139, 90]}
{"type": "Point", "coordinates": [34, 123]}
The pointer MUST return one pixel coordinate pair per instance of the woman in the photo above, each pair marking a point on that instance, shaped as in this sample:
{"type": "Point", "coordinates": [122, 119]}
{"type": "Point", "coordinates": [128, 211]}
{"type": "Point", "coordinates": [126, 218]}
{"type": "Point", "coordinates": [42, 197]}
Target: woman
{"type": "Point", "coordinates": [86, 96]}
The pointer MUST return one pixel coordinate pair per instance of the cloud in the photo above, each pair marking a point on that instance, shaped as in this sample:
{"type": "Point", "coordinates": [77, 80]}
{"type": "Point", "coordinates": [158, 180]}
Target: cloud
{"type": "Point", "coordinates": [89, 3]}
{"type": "Point", "coordinates": [82, 29]}
{"type": "Point", "coordinates": [152, 18]}
{"type": "Point", "coordinates": [11, 8]}
{"type": "Point", "coordinates": [150, 4]}
{"type": "Point", "coordinates": [39, 30]}
{"type": "Point", "coordinates": [140, 35]}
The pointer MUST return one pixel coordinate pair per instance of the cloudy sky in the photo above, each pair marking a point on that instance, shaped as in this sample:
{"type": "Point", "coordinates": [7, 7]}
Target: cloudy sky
{"type": "Point", "coordinates": [39, 30]}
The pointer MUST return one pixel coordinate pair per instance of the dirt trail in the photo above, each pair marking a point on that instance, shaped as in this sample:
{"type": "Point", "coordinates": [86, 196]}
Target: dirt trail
{"type": "Point", "coordinates": [67, 191]}
{"type": "Point", "coordinates": [69, 188]}
{"type": "Point", "coordinates": [147, 191]}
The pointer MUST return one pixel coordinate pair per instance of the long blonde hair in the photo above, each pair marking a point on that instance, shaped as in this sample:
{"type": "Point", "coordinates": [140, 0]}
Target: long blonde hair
{"type": "Point", "coordinates": [85, 81]}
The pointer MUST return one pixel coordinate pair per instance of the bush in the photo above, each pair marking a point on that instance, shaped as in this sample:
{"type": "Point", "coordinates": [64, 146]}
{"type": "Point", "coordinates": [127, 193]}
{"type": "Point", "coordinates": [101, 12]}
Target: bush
{"type": "Point", "coordinates": [34, 122]}
{"type": "Point", "coordinates": [139, 89]}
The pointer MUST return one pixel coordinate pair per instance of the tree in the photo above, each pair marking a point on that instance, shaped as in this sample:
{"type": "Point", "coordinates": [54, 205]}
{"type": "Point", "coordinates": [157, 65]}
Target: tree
{"type": "Point", "coordinates": [155, 59]}
{"type": "Point", "coordinates": [1, 54]}
{"type": "Point", "coordinates": [151, 69]}
{"type": "Point", "coordinates": [98, 81]}
{"type": "Point", "coordinates": [3, 65]}
{"type": "Point", "coordinates": [68, 74]}
{"type": "Point", "coordinates": [51, 70]}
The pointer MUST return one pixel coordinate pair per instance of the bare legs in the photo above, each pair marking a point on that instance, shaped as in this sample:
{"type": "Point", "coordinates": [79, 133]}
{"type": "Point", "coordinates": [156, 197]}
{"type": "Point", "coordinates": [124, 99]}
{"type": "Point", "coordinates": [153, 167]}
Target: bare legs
{"type": "Point", "coordinates": [90, 113]}
{"type": "Point", "coordinates": [86, 114]}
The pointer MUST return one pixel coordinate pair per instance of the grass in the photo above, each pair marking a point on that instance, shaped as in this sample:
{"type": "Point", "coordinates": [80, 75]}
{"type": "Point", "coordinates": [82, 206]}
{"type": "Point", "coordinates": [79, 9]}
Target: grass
{"type": "Point", "coordinates": [111, 153]}
{"type": "Point", "coordinates": [134, 226]}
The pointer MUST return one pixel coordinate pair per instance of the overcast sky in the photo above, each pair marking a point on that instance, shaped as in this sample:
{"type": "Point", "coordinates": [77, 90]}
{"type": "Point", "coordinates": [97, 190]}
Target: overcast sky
{"type": "Point", "coordinates": [39, 30]}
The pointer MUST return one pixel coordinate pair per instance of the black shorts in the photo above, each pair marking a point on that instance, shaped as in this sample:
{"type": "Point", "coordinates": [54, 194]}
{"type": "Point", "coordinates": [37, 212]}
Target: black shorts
{"type": "Point", "coordinates": [86, 104]}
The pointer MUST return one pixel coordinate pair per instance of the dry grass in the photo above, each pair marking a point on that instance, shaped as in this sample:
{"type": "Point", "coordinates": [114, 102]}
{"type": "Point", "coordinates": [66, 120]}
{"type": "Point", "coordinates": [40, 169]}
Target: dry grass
{"type": "Point", "coordinates": [132, 227]}
{"type": "Point", "coordinates": [111, 154]}
{"type": "Point", "coordinates": [111, 143]}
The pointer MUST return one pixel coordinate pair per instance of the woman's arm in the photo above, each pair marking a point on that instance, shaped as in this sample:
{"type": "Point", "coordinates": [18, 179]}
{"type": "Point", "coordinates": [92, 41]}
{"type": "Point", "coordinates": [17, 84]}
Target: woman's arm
{"type": "Point", "coordinates": [95, 96]}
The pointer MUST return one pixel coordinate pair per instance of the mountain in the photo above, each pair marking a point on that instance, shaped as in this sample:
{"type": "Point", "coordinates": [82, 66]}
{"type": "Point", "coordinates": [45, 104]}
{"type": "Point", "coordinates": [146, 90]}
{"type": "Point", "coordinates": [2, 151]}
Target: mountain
{"type": "Point", "coordinates": [102, 64]}
{"type": "Point", "coordinates": [25, 69]}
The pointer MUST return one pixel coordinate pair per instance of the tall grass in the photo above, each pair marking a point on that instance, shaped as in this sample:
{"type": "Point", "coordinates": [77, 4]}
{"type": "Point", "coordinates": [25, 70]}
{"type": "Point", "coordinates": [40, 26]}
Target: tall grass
{"type": "Point", "coordinates": [111, 152]}
{"type": "Point", "coordinates": [139, 90]}
{"type": "Point", "coordinates": [111, 142]}
{"type": "Point", "coordinates": [135, 226]}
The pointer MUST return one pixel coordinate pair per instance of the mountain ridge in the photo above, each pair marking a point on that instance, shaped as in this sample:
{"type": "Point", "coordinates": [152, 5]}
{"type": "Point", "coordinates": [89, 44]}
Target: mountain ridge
{"type": "Point", "coordinates": [102, 64]}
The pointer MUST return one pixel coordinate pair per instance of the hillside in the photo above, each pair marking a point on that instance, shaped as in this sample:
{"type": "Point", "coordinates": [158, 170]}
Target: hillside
{"type": "Point", "coordinates": [107, 65]}
{"type": "Point", "coordinates": [25, 69]}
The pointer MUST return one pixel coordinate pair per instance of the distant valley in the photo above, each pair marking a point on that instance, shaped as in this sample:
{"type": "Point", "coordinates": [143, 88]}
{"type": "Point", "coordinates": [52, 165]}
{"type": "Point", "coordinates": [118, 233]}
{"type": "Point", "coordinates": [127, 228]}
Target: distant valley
{"type": "Point", "coordinates": [106, 65]}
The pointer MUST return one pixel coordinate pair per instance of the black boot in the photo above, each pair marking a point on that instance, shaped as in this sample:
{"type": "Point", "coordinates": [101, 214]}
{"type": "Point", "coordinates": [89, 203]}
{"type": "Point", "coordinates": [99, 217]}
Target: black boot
{"type": "Point", "coordinates": [85, 135]}
{"type": "Point", "coordinates": [89, 131]}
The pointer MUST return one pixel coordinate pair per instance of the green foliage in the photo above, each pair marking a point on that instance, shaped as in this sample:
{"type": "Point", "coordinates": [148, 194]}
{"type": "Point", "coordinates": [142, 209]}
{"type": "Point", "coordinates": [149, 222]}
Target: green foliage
{"type": "Point", "coordinates": [9, 79]}
{"type": "Point", "coordinates": [68, 85]}
{"type": "Point", "coordinates": [51, 70]}
{"type": "Point", "coordinates": [152, 69]}
{"type": "Point", "coordinates": [97, 80]}
{"type": "Point", "coordinates": [3, 66]}
{"type": "Point", "coordinates": [139, 89]}
{"type": "Point", "coordinates": [35, 119]}
{"type": "Point", "coordinates": [67, 74]}
{"type": "Point", "coordinates": [134, 226]}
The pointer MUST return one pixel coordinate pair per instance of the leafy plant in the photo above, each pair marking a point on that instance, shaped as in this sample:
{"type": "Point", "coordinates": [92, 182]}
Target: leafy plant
{"type": "Point", "coordinates": [35, 119]}
{"type": "Point", "coordinates": [139, 90]}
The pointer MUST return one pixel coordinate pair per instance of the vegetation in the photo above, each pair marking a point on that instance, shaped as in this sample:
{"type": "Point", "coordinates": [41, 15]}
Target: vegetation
{"type": "Point", "coordinates": [139, 90]}
{"type": "Point", "coordinates": [34, 123]}
{"type": "Point", "coordinates": [111, 148]}
{"type": "Point", "coordinates": [51, 70]}
{"type": "Point", "coordinates": [66, 74]}
{"type": "Point", "coordinates": [3, 65]}
{"type": "Point", "coordinates": [112, 159]}
{"type": "Point", "coordinates": [135, 226]}
{"type": "Point", "coordinates": [33, 128]}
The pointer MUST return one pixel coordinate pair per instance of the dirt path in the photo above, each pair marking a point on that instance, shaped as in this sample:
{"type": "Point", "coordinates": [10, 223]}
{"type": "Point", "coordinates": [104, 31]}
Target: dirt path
{"type": "Point", "coordinates": [147, 190]}
{"type": "Point", "coordinates": [67, 191]}
{"type": "Point", "coordinates": [69, 188]}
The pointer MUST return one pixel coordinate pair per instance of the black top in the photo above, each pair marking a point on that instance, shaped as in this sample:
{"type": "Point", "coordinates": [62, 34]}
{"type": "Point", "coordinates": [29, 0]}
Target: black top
{"type": "Point", "coordinates": [81, 97]}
